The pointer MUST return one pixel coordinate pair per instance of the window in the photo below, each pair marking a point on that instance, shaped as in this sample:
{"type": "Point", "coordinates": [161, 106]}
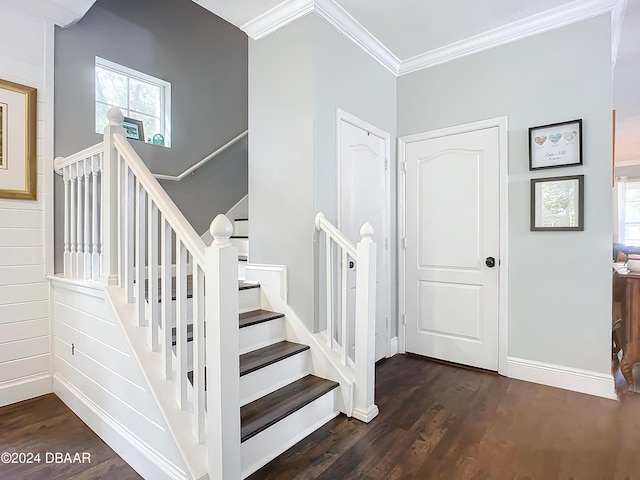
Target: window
{"type": "Point", "coordinates": [629, 211]}
{"type": "Point", "coordinates": [137, 94]}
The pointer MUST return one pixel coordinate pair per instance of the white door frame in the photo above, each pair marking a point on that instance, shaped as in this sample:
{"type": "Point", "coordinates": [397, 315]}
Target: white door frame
{"type": "Point", "coordinates": [342, 116]}
{"type": "Point", "coordinates": [503, 298]}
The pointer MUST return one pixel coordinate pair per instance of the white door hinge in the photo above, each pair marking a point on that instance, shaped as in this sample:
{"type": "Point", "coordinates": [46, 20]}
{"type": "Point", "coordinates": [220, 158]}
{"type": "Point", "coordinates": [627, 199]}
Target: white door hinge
{"type": "Point", "coordinates": [404, 166]}
{"type": "Point", "coordinates": [404, 243]}
{"type": "Point", "coordinates": [386, 244]}
{"type": "Point", "coordinates": [404, 319]}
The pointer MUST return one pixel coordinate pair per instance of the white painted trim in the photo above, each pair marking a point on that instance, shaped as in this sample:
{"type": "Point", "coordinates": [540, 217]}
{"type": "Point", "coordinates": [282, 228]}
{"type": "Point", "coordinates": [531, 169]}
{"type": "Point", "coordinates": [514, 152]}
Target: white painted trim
{"type": "Point", "coordinates": [561, 16]}
{"type": "Point", "coordinates": [203, 162]}
{"type": "Point", "coordinates": [25, 388]}
{"type": "Point", "coordinates": [617, 18]}
{"type": "Point", "coordinates": [274, 276]}
{"type": "Point", "coordinates": [393, 346]}
{"type": "Point", "coordinates": [342, 116]}
{"type": "Point", "coordinates": [48, 115]}
{"type": "Point", "coordinates": [354, 31]}
{"type": "Point", "coordinates": [142, 457]}
{"type": "Point", "coordinates": [503, 294]}
{"type": "Point", "coordinates": [527, 27]}
{"type": "Point", "coordinates": [60, 13]}
{"type": "Point", "coordinates": [574, 379]}
{"type": "Point", "coordinates": [366, 415]}
{"type": "Point", "coordinates": [276, 18]}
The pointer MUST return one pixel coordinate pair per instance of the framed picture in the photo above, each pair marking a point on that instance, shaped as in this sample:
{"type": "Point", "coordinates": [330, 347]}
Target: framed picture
{"type": "Point", "coordinates": [18, 160]}
{"type": "Point", "coordinates": [133, 128]}
{"type": "Point", "coordinates": [557, 203]}
{"type": "Point", "coordinates": [555, 145]}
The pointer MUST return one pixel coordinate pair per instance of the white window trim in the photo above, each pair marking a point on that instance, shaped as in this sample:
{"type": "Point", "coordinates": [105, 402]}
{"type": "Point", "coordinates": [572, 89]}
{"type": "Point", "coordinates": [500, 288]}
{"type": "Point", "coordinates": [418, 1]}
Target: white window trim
{"type": "Point", "coordinates": [165, 98]}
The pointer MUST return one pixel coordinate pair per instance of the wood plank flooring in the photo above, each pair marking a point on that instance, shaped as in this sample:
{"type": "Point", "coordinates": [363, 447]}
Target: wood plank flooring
{"type": "Point", "coordinates": [45, 424]}
{"type": "Point", "coordinates": [442, 422]}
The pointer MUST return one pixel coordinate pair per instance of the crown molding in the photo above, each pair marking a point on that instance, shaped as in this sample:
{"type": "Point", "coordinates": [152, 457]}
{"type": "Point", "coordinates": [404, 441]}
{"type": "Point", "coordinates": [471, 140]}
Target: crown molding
{"type": "Point", "coordinates": [354, 31]}
{"type": "Point", "coordinates": [58, 13]}
{"type": "Point", "coordinates": [578, 10]}
{"type": "Point", "coordinates": [276, 18]}
{"type": "Point", "coordinates": [527, 27]}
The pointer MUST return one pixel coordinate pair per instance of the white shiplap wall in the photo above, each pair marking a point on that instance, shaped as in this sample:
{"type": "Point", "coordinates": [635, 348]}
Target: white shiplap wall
{"type": "Point", "coordinates": [26, 241]}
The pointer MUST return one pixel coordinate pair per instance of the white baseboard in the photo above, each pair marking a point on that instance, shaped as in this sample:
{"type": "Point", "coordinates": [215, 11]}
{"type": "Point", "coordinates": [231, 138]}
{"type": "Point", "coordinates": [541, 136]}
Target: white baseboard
{"type": "Point", "coordinates": [142, 458]}
{"type": "Point", "coordinates": [393, 347]}
{"type": "Point", "coordinates": [575, 379]}
{"type": "Point", "coordinates": [25, 388]}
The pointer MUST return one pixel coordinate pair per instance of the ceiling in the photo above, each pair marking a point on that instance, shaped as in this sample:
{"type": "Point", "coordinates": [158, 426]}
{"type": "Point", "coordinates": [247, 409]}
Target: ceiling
{"type": "Point", "coordinates": [406, 35]}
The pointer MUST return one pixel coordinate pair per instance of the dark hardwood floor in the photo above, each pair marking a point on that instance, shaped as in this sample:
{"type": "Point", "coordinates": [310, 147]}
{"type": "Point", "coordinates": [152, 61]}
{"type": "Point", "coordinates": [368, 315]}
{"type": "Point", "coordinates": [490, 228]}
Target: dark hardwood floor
{"type": "Point", "coordinates": [45, 425]}
{"type": "Point", "coordinates": [442, 422]}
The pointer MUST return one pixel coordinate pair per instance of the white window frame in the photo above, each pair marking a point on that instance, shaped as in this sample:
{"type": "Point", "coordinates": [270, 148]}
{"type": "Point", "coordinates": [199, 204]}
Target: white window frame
{"type": "Point", "coordinates": [165, 93]}
{"type": "Point", "coordinates": [621, 207]}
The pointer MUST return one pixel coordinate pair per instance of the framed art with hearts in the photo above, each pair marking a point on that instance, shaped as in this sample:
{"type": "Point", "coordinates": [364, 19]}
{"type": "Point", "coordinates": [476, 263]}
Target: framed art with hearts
{"type": "Point", "coordinates": [555, 145]}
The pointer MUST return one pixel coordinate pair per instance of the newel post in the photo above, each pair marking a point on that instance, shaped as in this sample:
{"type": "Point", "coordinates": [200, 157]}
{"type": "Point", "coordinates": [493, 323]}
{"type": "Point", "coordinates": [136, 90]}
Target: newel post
{"type": "Point", "coordinates": [223, 365]}
{"type": "Point", "coordinates": [364, 407]}
{"type": "Point", "coordinates": [109, 201]}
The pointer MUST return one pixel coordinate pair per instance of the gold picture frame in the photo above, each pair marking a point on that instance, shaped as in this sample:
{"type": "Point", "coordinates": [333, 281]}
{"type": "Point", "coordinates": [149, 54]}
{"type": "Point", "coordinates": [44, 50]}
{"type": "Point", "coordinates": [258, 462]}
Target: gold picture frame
{"type": "Point", "coordinates": [18, 157]}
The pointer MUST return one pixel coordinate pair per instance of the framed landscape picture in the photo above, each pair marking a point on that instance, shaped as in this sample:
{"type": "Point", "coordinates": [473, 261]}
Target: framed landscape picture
{"type": "Point", "coordinates": [18, 160]}
{"type": "Point", "coordinates": [557, 203]}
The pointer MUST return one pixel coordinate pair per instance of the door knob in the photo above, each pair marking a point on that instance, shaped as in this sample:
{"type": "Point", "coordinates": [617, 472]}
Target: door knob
{"type": "Point", "coordinates": [490, 262]}
{"type": "Point", "coordinates": [351, 264]}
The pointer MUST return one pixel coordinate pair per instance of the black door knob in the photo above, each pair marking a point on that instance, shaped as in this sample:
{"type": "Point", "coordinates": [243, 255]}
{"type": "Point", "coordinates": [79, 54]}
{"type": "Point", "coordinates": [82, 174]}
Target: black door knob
{"type": "Point", "coordinates": [490, 262]}
{"type": "Point", "coordinates": [351, 264]}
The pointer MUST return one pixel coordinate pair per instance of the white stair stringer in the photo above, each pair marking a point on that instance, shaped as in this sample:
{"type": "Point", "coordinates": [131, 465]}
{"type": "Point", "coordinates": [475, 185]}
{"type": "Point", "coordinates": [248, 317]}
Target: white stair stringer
{"type": "Point", "coordinates": [180, 422]}
{"type": "Point", "coordinates": [260, 449]}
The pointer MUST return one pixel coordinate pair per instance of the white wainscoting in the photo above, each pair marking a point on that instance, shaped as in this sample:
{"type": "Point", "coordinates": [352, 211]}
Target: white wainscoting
{"type": "Point", "coordinates": [575, 379]}
{"type": "Point", "coordinates": [98, 376]}
{"type": "Point", "coordinates": [26, 228]}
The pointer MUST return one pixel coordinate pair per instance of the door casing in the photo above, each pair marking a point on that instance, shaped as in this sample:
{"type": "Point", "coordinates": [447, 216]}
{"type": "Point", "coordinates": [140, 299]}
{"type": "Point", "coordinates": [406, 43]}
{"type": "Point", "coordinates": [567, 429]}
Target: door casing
{"type": "Point", "coordinates": [503, 298]}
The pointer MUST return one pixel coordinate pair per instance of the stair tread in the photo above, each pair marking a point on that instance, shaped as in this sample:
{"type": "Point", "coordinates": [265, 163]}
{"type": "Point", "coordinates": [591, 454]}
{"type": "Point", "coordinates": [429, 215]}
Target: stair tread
{"type": "Point", "coordinates": [239, 236]}
{"type": "Point", "coordinates": [240, 219]}
{"type": "Point", "coordinates": [241, 286]}
{"type": "Point", "coordinates": [263, 357]}
{"type": "Point", "coordinates": [257, 316]}
{"type": "Point", "coordinates": [242, 258]}
{"type": "Point", "coordinates": [270, 409]}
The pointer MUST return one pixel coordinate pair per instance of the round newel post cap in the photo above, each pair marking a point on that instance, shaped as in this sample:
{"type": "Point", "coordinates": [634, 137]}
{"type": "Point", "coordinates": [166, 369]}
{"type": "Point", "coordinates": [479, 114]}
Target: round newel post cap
{"type": "Point", "coordinates": [366, 231]}
{"type": "Point", "coordinates": [221, 229]}
{"type": "Point", "coordinates": [115, 116]}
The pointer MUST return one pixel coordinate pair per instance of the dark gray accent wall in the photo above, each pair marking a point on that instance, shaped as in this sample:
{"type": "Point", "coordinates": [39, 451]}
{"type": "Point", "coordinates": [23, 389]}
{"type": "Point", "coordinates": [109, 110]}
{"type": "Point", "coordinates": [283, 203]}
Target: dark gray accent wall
{"type": "Point", "coordinates": [205, 60]}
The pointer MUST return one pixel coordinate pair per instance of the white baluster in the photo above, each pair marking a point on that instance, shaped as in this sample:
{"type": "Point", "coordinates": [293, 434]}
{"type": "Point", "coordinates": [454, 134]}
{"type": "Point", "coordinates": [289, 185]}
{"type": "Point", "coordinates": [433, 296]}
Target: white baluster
{"type": "Point", "coordinates": [152, 265]}
{"type": "Point", "coordinates": [110, 201]}
{"type": "Point", "coordinates": [221, 298]}
{"type": "Point", "coordinates": [86, 274]}
{"type": "Point", "coordinates": [329, 293]}
{"type": "Point", "coordinates": [181, 322]}
{"type": "Point", "coordinates": [364, 406]}
{"type": "Point", "coordinates": [72, 220]}
{"type": "Point", "coordinates": [344, 351]}
{"type": "Point", "coordinates": [80, 221]}
{"type": "Point", "coordinates": [198, 353]}
{"type": "Point", "coordinates": [128, 236]}
{"type": "Point", "coordinates": [95, 216]}
{"type": "Point", "coordinates": [140, 250]}
{"type": "Point", "coordinates": [166, 287]}
{"type": "Point", "coordinates": [67, 214]}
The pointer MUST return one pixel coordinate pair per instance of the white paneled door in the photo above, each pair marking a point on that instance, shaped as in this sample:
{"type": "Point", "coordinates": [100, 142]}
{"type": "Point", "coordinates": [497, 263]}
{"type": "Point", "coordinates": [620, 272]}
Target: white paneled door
{"type": "Point", "coordinates": [363, 184]}
{"type": "Point", "coordinates": [452, 244]}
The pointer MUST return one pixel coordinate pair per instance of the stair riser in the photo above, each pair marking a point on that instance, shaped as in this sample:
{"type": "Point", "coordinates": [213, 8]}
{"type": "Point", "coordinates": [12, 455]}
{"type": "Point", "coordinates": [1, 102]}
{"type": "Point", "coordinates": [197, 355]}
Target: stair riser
{"type": "Point", "coordinates": [242, 244]}
{"type": "Point", "coordinates": [241, 228]}
{"type": "Point", "coordinates": [268, 444]}
{"type": "Point", "coordinates": [268, 379]}
{"type": "Point", "coordinates": [249, 299]}
{"type": "Point", "coordinates": [242, 270]}
{"type": "Point", "coordinates": [261, 335]}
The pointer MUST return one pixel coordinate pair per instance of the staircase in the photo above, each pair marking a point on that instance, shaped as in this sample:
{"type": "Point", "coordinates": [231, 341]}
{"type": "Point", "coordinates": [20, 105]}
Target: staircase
{"type": "Point", "coordinates": [225, 376]}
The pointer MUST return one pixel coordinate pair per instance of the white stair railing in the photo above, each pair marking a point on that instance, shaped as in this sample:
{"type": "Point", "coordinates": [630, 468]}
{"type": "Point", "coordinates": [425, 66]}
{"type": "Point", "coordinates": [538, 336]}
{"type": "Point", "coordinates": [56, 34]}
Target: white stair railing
{"type": "Point", "coordinates": [340, 325]}
{"type": "Point", "coordinates": [146, 246]}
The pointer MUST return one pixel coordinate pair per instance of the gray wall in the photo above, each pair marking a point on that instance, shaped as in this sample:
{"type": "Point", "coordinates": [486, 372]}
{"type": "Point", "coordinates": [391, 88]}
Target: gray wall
{"type": "Point", "coordinates": [345, 77]}
{"type": "Point", "coordinates": [205, 60]}
{"type": "Point", "coordinates": [559, 282]}
{"type": "Point", "coordinates": [281, 157]}
{"type": "Point", "coordinates": [298, 77]}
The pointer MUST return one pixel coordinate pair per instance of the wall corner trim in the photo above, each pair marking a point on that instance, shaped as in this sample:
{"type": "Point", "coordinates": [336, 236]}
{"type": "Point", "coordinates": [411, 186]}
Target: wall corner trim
{"type": "Point", "coordinates": [560, 376]}
{"type": "Point", "coordinates": [276, 18]}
